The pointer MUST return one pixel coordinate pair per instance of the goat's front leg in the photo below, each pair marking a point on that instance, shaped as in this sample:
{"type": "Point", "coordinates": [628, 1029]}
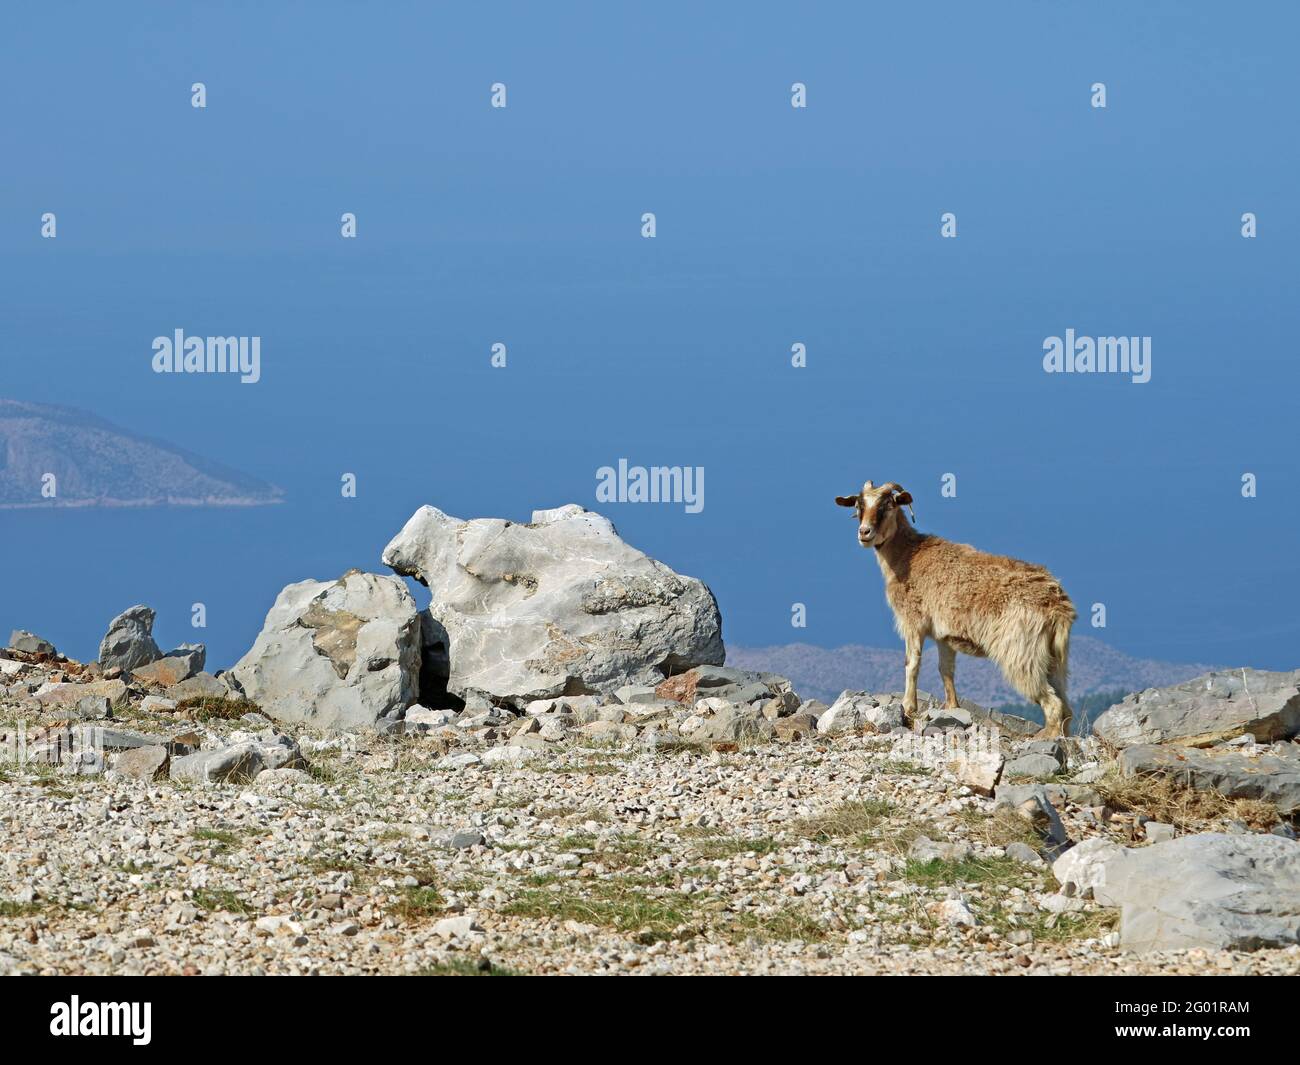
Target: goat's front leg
{"type": "Point", "coordinates": [947, 670]}
{"type": "Point", "coordinates": [913, 670]}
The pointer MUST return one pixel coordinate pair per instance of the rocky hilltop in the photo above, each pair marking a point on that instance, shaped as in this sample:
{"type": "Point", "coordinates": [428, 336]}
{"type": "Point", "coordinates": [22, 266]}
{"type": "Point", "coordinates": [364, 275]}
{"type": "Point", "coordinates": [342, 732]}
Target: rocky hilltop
{"type": "Point", "coordinates": [96, 463]}
{"type": "Point", "coordinates": [552, 770]}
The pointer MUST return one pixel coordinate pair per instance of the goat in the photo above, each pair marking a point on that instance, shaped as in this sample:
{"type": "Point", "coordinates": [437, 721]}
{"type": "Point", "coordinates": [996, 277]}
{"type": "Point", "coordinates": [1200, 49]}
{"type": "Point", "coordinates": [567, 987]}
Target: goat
{"type": "Point", "coordinates": [984, 605]}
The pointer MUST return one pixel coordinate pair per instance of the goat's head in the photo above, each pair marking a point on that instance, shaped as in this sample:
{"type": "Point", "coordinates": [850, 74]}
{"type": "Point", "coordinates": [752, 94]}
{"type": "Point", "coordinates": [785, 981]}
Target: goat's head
{"type": "Point", "coordinates": [878, 512]}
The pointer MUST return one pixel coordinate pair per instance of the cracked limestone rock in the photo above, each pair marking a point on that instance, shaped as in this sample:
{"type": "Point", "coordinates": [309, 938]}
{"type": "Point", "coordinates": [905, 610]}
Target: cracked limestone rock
{"type": "Point", "coordinates": [557, 606]}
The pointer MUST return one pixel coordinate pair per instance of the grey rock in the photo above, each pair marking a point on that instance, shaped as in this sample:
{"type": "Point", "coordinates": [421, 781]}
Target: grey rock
{"type": "Point", "coordinates": [457, 761]}
{"type": "Point", "coordinates": [1081, 870]}
{"type": "Point", "coordinates": [783, 705]}
{"type": "Point", "coordinates": [733, 724]}
{"type": "Point", "coordinates": [129, 642]}
{"type": "Point", "coordinates": [336, 654]}
{"type": "Point", "coordinates": [22, 640]}
{"type": "Point", "coordinates": [948, 717]}
{"type": "Point", "coordinates": [110, 739]}
{"type": "Point", "coordinates": [66, 694]}
{"type": "Point", "coordinates": [1024, 853]}
{"type": "Point", "coordinates": [1053, 749]}
{"type": "Point", "coordinates": [1033, 766]}
{"type": "Point", "coordinates": [1081, 796]}
{"type": "Point", "coordinates": [419, 716]}
{"type": "Point", "coordinates": [1213, 891]}
{"type": "Point", "coordinates": [143, 763]}
{"type": "Point", "coordinates": [796, 727]}
{"type": "Point", "coordinates": [559, 605]}
{"type": "Point", "coordinates": [853, 710]}
{"type": "Point", "coordinates": [465, 839]}
{"type": "Point", "coordinates": [636, 693]}
{"type": "Point", "coordinates": [515, 756]}
{"type": "Point", "coordinates": [450, 927]}
{"type": "Point", "coordinates": [200, 686]}
{"type": "Point", "coordinates": [1209, 709]}
{"type": "Point", "coordinates": [1158, 831]}
{"type": "Point", "coordinates": [608, 731]}
{"type": "Point", "coordinates": [1273, 774]}
{"type": "Point", "coordinates": [93, 707]}
{"type": "Point", "coordinates": [236, 764]}
{"type": "Point", "coordinates": [163, 672]}
{"type": "Point", "coordinates": [1031, 802]}
{"type": "Point", "coordinates": [979, 770]}
{"type": "Point", "coordinates": [923, 849]}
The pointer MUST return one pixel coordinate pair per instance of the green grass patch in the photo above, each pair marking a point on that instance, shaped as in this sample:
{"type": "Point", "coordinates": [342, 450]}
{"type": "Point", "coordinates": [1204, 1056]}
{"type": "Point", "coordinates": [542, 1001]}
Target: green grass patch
{"type": "Point", "coordinates": [785, 925]}
{"type": "Point", "coordinates": [615, 904]}
{"type": "Point", "coordinates": [712, 843]}
{"type": "Point", "coordinates": [214, 899]}
{"type": "Point", "coordinates": [855, 821]}
{"type": "Point", "coordinates": [417, 903]}
{"type": "Point", "coordinates": [943, 872]}
{"type": "Point", "coordinates": [905, 768]}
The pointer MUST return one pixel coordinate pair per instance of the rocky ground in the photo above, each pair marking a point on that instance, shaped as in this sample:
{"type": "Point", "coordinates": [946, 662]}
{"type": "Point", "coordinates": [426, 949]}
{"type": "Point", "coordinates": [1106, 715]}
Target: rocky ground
{"type": "Point", "coordinates": [377, 789]}
{"type": "Point", "coordinates": [583, 836]}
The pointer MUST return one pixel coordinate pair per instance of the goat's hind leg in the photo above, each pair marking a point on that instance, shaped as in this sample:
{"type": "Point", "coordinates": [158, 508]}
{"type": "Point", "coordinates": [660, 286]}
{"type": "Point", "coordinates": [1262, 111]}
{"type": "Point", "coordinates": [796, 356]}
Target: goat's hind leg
{"type": "Point", "coordinates": [947, 670]}
{"type": "Point", "coordinates": [1056, 712]}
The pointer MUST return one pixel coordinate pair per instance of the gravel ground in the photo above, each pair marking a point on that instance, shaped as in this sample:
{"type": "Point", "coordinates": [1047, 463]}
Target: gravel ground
{"type": "Point", "coordinates": [390, 855]}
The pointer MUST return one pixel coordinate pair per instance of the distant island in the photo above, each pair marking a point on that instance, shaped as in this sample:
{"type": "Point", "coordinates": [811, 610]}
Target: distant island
{"type": "Point", "coordinates": [94, 463]}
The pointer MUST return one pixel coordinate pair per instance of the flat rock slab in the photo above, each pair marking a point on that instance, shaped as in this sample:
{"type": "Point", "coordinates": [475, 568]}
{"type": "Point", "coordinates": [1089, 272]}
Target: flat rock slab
{"type": "Point", "coordinates": [1215, 891]}
{"type": "Point", "coordinates": [67, 694]}
{"type": "Point", "coordinates": [201, 685]}
{"type": "Point", "coordinates": [1207, 710]}
{"type": "Point", "coordinates": [1032, 766]}
{"type": "Point", "coordinates": [22, 640]}
{"type": "Point", "coordinates": [169, 671]}
{"type": "Point", "coordinates": [1273, 776]}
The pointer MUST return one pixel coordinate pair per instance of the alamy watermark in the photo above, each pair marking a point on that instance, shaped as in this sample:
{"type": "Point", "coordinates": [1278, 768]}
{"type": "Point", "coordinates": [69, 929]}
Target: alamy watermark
{"type": "Point", "coordinates": [181, 354]}
{"type": "Point", "coordinates": [1076, 354]}
{"type": "Point", "coordinates": [656, 484]}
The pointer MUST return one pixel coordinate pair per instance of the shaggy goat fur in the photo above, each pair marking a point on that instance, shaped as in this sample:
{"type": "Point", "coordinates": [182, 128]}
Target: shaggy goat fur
{"type": "Point", "coordinates": [966, 600]}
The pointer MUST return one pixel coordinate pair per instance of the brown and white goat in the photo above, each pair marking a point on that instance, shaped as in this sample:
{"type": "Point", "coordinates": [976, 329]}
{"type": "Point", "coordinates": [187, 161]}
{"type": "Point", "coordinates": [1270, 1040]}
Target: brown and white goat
{"type": "Point", "coordinates": [966, 600]}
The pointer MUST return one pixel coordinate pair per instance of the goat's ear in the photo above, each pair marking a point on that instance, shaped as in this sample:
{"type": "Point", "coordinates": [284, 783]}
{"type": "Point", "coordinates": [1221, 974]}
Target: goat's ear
{"type": "Point", "coordinates": [903, 499]}
{"type": "Point", "coordinates": [847, 501]}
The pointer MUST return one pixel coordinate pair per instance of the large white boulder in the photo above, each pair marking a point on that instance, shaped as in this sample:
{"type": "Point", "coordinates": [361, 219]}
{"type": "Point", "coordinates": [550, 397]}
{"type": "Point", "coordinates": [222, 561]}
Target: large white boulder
{"type": "Point", "coordinates": [560, 605]}
{"type": "Point", "coordinates": [336, 654]}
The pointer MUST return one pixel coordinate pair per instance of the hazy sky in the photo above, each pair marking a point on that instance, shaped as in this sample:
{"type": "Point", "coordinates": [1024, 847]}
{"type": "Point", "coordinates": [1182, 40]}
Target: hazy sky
{"type": "Point", "coordinates": [775, 226]}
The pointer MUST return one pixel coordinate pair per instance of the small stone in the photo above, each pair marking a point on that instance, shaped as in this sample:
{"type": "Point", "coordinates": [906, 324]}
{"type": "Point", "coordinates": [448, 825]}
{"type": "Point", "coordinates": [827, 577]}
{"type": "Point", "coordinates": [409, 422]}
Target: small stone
{"type": "Point", "coordinates": [1158, 831]}
{"type": "Point", "coordinates": [143, 763]}
{"type": "Point", "coordinates": [452, 927]}
{"type": "Point", "coordinates": [22, 640]}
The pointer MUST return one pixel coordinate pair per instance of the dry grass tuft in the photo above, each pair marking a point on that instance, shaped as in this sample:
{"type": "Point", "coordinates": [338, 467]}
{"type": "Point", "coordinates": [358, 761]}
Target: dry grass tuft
{"type": "Point", "coordinates": [1163, 798]}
